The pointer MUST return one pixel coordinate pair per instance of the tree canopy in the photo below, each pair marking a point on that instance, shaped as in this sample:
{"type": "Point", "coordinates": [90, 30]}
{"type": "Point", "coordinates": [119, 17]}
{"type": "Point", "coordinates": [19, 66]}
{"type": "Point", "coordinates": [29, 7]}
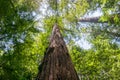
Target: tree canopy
{"type": "Point", "coordinates": [25, 29]}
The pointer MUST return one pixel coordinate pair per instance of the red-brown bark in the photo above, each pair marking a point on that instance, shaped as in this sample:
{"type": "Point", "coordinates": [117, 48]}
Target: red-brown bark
{"type": "Point", "coordinates": [57, 64]}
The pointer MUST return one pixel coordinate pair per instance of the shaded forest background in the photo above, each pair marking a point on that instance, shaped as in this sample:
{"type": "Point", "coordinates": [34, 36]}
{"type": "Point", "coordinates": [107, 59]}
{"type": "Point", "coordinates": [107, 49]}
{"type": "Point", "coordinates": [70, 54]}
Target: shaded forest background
{"type": "Point", "coordinates": [25, 29]}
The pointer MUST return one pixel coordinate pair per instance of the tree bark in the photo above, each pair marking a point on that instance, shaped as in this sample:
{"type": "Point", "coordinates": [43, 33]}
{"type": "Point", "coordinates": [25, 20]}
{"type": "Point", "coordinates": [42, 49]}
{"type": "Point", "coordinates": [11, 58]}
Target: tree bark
{"type": "Point", "coordinates": [91, 20]}
{"type": "Point", "coordinates": [96, 19]}
{"type": "Point", "coordinates": [57, 64]}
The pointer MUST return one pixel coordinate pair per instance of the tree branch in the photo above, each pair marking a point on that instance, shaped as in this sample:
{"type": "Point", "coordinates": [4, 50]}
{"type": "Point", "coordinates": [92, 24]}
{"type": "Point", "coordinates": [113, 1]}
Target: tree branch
{"type": "Point", "coordinates": [12, 5]}
{"type": "Point", "coordinates": [91, 20]}
{"type": "Point", "coordinates": [1, 38]}
{"type": "Point", "coordinates": [113, 33]}
{"type": "Point", "coordinates": [96, 19]}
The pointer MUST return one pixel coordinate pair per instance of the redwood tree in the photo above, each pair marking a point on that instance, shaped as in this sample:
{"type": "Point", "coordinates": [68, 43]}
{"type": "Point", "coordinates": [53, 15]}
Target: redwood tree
{"type": "Point", "coordinates": [57, 64]}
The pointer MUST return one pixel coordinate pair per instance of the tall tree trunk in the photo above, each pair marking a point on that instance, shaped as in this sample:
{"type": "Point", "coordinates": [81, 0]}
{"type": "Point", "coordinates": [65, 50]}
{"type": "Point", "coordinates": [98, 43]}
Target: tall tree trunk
{"type": "Point", "coordinates": [57, 64]}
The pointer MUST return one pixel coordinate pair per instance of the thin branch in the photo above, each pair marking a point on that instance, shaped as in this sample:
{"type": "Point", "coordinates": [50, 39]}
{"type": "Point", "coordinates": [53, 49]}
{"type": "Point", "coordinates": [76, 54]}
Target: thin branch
{"type": "Point", "coordinates": [113, 33]}
{"type": "Point", "coordinates": [2, 63]}
{"type": "Point", "coordinates": [12, 5]}
{"type": "Point", "coordinates": [1, 38]}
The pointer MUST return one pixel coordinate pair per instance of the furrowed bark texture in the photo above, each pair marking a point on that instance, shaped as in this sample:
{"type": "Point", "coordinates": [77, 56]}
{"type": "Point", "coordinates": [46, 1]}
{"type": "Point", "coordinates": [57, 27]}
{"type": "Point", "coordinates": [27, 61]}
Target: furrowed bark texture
{"type": "Point", "coordinates": [57, 64]}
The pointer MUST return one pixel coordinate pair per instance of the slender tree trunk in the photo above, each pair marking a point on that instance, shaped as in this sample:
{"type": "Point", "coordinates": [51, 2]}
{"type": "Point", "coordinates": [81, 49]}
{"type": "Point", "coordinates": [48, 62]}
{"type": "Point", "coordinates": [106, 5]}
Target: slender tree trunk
{"type": "Point", "coordinates": [57, 64]}
{"type": "Point", "coordinates": [96, 19]}
{"type": "Point", "coordinates": [91, 20]}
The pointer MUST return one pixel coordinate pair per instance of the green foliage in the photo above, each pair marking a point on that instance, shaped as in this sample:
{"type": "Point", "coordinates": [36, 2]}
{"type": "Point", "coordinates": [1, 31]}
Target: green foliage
{"type": "Point", "coordinates": [22, 62]}
{"type": "Point", "coordinates": [70, 10]}
{"type": "Point", "coordinates": [19, 54]}
{"type": "Point", "coordinates": [100, 62]}
{"type": "Point", "coordinates": [22, 43]}
{"type": "Point", "coordinates": [109, 8]}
